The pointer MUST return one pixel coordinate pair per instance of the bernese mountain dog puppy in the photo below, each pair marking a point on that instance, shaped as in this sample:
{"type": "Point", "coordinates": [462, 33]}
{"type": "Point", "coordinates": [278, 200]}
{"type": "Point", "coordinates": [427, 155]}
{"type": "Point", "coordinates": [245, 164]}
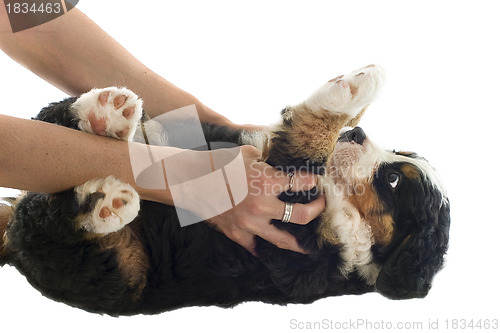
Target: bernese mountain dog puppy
{"type": "Point", "coordinates": [99, 248]}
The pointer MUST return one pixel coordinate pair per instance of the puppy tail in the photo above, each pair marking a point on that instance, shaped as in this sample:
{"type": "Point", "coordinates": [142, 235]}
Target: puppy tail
{"type": "Point", "coordinates": [6, 212]}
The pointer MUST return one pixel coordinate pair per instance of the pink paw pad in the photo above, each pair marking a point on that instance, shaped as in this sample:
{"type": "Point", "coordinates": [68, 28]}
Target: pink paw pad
{"type": "Point", "coordinates": [119, 101]}
{"type": "Point", "coordinates": [113, 112]}
{"type": "Point", "coordinates": [128, 112]}
{"type": "Point", "coordinates": [98, 124]}
{"type": "Point", "coordinates": [103, 98]}
{"type": "Point", "coordinates": [336, 79]}
{"type": "Point", "coordinates": [123, 133]}
{"type": "Point", "coordinates": [107, 212]}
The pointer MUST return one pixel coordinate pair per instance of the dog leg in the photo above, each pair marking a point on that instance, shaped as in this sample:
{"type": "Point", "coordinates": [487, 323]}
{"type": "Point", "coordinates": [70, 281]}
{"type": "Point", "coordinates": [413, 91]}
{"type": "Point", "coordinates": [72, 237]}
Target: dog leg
{"type": "Point", "coordinates": [309, 131]}
{"type": "Point", "coordinates": [107, 205]}
{"type": "Point", "coordinates": [113, 112]}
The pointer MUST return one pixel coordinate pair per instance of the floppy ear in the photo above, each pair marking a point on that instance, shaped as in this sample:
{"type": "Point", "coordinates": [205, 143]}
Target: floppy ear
{"type": "Point", "coordinates": [409, 271]}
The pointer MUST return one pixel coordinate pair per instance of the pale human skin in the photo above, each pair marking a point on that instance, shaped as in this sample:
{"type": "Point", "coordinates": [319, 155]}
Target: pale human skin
{"type": "Point", "coordinates": [40, 162]}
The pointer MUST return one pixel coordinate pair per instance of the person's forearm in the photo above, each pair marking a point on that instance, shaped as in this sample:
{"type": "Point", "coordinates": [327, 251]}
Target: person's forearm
{"type": "Point", "coordinates": [74, 54]}
{"type": "Point", "coordinates": [42, 157]}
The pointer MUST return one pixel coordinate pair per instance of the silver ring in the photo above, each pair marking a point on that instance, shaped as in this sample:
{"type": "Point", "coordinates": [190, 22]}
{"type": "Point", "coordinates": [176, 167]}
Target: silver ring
{"type": "Point", "coordinates": [288, 212]}
{"type": "Point", "coordinates": [292, 180]}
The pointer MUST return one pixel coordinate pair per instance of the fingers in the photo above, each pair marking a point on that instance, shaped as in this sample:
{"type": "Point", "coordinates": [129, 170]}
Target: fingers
{"type": "Point", "coordinates": [234, 231]}
{"type": "Point", "coordinates": [247, 240]}
{"type": "Point", "coordinates": [282, 239]}
{"type": "Point", "coordinates": [305, 213]}
{"type": "Point", "coordinates": [244, 231]}
{"type": "Point", "coordinates": [302, 213]}
{"type": "Point", "coordinates": [252, 217]}
{"type": "Point", "coordinates": [251, 152]}
{"type": "Point", "coordinates": [272, 181]}
{"type": "Point", "coordinates": [270, 233]}
{"type": "Point", "coordinates": [300, 181]}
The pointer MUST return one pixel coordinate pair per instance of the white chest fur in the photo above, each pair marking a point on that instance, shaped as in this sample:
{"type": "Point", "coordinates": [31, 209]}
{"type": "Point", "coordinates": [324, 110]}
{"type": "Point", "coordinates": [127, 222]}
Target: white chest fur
{"type": "Point", "coordinates": [341, 221]}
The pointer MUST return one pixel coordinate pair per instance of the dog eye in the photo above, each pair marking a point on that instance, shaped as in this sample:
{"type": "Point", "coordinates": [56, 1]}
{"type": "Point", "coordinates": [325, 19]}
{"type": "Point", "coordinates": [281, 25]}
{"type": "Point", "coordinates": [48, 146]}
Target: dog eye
{"type": "Point", "coordinates": [393, 180]}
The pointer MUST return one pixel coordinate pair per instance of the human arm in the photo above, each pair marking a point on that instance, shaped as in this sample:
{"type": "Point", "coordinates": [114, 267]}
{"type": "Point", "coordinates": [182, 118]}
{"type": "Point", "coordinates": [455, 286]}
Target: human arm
{"type": "Point", "coordinates": [75, 55]}
{"type": "Point", "coordinates": [42, 157]}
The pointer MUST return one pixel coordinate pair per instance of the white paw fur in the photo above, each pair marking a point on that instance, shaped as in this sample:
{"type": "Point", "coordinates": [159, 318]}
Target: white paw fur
{"type": "Point", "coordinates": [350, 93]}
{"type": "Point", "coordinates": [119, 206]}
{"type": "Point", "coordinates": [105, 105]}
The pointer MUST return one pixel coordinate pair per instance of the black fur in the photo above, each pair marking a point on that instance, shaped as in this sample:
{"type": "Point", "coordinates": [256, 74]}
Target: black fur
{"type": "Point", "coordinates": [59, 114]}
{"type": "Point", "coordinates": [57, 259]}
{"type": "Point", "coordinates": [421, 236]}
{"type": "Point", "coordinates": [282, 157]}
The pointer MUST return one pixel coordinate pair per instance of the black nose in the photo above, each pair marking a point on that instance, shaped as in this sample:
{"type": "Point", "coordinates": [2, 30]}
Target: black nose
{"type": "Point", "coordinates": [355, 135]}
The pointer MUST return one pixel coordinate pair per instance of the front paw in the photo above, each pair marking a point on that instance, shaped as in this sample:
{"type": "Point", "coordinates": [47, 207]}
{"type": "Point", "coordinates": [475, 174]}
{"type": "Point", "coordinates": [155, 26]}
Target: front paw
{"type": "Point", "coordinates": [107, 205]}
{"type": "Point", "coordinates": [348, 94]}
{"type": "Point", "coordinates": [113, 112]}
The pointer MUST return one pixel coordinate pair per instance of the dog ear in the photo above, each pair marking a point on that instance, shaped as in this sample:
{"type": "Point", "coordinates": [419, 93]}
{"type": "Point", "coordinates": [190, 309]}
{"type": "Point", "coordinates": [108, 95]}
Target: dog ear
{"type": "Point", "coordinates": [409, 270]}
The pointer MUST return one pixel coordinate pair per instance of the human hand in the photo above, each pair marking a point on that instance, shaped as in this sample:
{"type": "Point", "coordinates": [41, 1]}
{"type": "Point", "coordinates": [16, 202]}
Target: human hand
{"type": "Point", "coordinates": [252, 217]}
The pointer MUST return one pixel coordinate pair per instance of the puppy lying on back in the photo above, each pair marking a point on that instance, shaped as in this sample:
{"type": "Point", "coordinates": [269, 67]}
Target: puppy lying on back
{"type": "Point", "coordinates": [99, 248]}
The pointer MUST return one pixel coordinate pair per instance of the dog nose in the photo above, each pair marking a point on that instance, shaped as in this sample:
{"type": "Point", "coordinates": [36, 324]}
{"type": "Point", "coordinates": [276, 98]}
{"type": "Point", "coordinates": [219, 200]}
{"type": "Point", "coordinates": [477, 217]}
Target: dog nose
{"type": "Point", "coordinates": [356, 135]}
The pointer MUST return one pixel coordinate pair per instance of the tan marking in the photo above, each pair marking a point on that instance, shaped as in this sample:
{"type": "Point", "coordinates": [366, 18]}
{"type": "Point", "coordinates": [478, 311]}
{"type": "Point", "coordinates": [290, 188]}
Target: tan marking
{"type": "Point", "coordinates": [265, 149]}
{"type": "Point", "coordinates": [371, 210]}
{"type": "Point", "coordinates": [132, 258]}
{"type": "Point", "coordinates": [6, 212]}
{"type": "Point", "coordinates": [326, 231]}
{"type": "Point", "coordinates": [131, 254]}
{"type": "Point", "coordinates": [405, 153]}
{"type": "Point", "coordinates": [314, 134]}
{"type": "Point", "coordinates": [410, 171]}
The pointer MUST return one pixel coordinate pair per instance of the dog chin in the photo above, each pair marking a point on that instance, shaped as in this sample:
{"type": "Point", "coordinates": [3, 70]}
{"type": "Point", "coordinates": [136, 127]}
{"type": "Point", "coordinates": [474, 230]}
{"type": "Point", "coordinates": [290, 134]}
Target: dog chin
{"type": "Point", "coordinates": [352, 162]}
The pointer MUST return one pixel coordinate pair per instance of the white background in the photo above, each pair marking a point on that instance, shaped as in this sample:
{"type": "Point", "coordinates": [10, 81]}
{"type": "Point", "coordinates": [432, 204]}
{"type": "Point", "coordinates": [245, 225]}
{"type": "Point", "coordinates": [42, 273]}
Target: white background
{"type": "Point", "coordinates": [247, 60]}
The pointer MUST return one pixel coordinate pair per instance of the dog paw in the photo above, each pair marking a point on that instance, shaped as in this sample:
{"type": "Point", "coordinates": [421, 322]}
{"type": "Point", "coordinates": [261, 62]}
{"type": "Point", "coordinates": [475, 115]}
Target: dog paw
{"type": "Point", "coordinates": [107, 205]}
{"type": "Point", "coordinates": [349, 93]}
{"type": "Point", "coordinates": [113, 112]}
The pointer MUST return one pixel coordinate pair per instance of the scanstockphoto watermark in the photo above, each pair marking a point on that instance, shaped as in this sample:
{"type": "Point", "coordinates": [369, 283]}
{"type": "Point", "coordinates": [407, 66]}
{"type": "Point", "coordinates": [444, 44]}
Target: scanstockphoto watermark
{"type": "Point", "coordinates": [364, 324]}
{"type": "Point", "coordinates": [355, 324]}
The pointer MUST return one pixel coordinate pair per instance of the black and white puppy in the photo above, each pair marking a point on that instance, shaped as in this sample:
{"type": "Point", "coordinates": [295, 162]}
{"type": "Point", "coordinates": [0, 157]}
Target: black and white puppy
{"type": "Point", "coordinates": [99, 248]}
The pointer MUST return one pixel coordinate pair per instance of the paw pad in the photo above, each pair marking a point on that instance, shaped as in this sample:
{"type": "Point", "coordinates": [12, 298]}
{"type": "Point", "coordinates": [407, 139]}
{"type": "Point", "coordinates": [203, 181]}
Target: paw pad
{"type": "Point", "coordinates": [349, 93]}
{"type": "Point", "coordinates": [113, 112]}
{"type": "Point", "coordinates": [336, 79]}
{"type": "Point", "coordinates": [116, 205]}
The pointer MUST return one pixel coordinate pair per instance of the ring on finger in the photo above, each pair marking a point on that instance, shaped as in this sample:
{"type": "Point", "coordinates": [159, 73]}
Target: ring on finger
{"type": "Point", "coordinates": [287, 215]}
{"type": "Point", "coordinates": [291, 175]}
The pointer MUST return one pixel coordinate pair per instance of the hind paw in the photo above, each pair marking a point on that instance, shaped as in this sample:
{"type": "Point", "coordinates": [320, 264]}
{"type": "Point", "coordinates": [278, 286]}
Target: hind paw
{"type": "Point", "coordinates": [113, 112]}
{"type": "Point", "coordinates": [349, 93]}
{"type": "Point", "coordinates": [107, 205]}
